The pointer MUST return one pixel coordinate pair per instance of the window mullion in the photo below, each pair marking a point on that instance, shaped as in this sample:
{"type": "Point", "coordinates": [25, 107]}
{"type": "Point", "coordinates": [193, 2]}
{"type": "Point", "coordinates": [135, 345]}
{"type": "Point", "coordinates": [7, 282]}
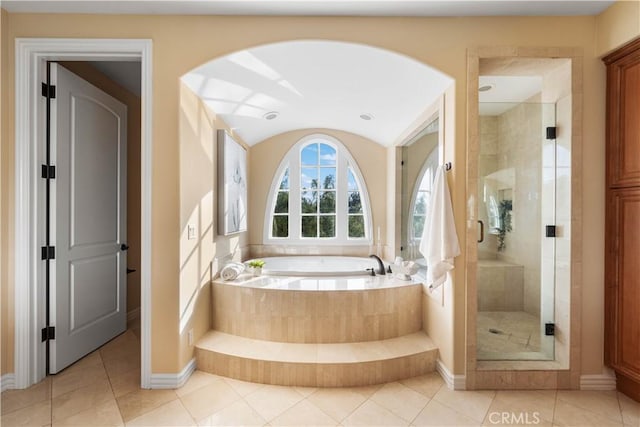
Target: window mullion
{"type": "Point", "coordinates": [318, 187]}
{"type": "Point", "coordinates": [342, 198]}
{"type": "Point", "coordinates": [295, 228]}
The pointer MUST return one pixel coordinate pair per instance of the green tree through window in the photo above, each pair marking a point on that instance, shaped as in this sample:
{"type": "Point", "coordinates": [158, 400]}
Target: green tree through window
{"type": "Point", "coordinates": [318, 195]}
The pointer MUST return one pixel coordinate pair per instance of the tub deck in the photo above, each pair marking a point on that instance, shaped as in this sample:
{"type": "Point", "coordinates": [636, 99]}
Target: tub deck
{"type": "Point", "coordinates": [314, 283]}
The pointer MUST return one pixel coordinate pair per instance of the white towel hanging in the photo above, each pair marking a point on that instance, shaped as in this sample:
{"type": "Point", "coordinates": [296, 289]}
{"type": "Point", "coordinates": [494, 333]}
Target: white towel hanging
{"type": "Point", "coordinates": [439, 244]}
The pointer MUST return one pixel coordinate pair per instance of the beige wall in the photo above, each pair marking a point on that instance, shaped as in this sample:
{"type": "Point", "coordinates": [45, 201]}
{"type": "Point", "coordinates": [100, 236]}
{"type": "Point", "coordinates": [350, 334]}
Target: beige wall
{"type": "Point", "coordinates": [265, 159]}
{"type": "Point", "coordinates": [6, 205]}
{"type": "Point", "coordinates": [132, 101]}
{"type": "Point", "coordinates": [617, 25]}
{"type": "Point", "coordinates": [202, 256]}
{"type": "Point", "coordinates": [182, 42]}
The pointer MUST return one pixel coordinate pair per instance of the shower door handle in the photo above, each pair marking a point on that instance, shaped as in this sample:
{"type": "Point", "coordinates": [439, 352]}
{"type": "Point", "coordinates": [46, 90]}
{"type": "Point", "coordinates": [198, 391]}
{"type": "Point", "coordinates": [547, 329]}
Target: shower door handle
{"type": "Point", "coordinates": [481, 231]}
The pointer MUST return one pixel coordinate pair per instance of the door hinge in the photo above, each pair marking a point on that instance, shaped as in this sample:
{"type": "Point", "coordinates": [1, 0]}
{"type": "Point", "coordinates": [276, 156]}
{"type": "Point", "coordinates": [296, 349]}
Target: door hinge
{"type": "Point", "coordinates": [550, 231]}
{"type": "Point", "coordinates": [402, 163]}
{"type": "Point", "coordinates": [48, 252]}
{"type": "Point", "coordinates": [48, 91]}
{"type": "Point", "coordinates": [549, 329]}
{"type": "Point", "coordinates": [48, 172]}
{"type": "Point", "coordinates": [48, 333]}
{"type": "Point", "coordinates": [552, 132]}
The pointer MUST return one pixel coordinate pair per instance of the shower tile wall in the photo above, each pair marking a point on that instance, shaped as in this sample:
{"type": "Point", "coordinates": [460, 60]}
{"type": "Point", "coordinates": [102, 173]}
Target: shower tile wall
{"type": "Point", "coordinates": [520, 139]}
{"type": "Point", "coordinates": [513, 140]}
{"type": "Point", "coordinates": [487, 163]}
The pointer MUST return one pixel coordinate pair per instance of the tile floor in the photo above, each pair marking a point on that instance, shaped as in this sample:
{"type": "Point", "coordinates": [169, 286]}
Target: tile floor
{"type": "Point", "coordinates": [510, 335]}
{"type": "Point", "coordinates": [102, 390]}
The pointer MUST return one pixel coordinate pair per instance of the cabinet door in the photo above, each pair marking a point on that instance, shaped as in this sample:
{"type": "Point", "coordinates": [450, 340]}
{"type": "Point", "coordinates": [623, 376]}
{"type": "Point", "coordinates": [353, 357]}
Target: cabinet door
{"type": "Point", "coordinates": [623, 116]}
{"type": "Point", "coordinates": [623, 281]}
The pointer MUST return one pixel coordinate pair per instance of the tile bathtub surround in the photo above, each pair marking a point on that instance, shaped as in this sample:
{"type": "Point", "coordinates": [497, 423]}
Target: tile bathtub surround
{"type": "Point", "coordinates": [211, 400]}
{"type": "Point", "coordinates": [311, 365]}
{"type": "Point", "coordinates": [306, 316]}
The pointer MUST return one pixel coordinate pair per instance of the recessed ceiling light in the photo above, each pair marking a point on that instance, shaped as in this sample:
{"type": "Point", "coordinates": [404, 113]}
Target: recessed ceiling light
{"type": "Point", "coordinates": [366, 116]}
{"type": "Point", "coordinates": [485, 88]}
{"type": "Point", "coordinates": [271, 115]}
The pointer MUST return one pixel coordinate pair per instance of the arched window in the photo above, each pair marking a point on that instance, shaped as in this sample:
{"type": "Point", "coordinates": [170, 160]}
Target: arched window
{"type": "Point", "coordinates": [422, 197]}
{"type": "Point", "coordinates": [318, 196]}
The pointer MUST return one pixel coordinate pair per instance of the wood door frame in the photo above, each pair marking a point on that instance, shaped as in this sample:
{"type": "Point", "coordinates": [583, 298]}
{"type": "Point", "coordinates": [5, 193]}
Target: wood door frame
{"type": "Point", "coordinates": [29, 308]}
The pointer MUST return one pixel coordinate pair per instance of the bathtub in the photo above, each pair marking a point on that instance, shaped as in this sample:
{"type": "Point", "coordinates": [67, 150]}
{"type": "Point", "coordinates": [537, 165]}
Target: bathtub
{"type": "Point", "coordinates": [313, 299]}
{"type": "Point", "coordinates": [317, 266]}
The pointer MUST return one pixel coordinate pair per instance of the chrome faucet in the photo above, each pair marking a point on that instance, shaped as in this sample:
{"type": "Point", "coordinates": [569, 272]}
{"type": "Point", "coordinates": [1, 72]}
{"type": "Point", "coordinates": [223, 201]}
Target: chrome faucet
{"type": "Point", "coordinates": [380, 269]}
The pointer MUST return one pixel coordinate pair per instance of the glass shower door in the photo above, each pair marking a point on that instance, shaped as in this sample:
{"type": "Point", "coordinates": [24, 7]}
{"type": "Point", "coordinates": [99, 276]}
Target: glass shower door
{"type": "Point", "coordinates": [517, 210]}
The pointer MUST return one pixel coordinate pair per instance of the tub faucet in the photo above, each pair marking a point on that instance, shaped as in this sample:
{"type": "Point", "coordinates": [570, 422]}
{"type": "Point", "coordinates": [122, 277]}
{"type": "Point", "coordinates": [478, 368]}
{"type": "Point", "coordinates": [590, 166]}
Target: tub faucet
{"type": "Point", "coordinates": [380, 269]}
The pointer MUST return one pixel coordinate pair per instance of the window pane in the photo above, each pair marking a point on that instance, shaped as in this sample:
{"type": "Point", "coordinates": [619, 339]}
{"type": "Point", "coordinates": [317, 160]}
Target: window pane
{"type": "Point", "coordinates": [355, 204]}
{"type": "Point", "coordinates": [284, 184]}
{"type": "Point", "coordinates": [421, 203]}
{"type": "Point", "coordinates": [282, 202]}
{"type": "Point", "coordinates": [310, 226]}
{"type": "Point", "coordinates": [418, 226]}
{"type": "Point", "coordinates": [309, 202]}
{"type": "Point", "coordinates": [328, 178]}
{"type": "Point", "coordinates": [427, 181]}
{"type": "Point", "coordinates": [309, 155]}
{"type": "Point", "coordinates": [352, 184]}
{"type": "Point", "coordinates": [309, 178]}
{"type": "Point", "coordinates": [327, 226]}
{"type": "Point", "coordinates": [327, 202]}
{"type": "Point", "coordinates": [280, 226]}
{"type": "Point", "coordinates": [327, 155]}
{"type": "Point", "coordinates": [356, 226]}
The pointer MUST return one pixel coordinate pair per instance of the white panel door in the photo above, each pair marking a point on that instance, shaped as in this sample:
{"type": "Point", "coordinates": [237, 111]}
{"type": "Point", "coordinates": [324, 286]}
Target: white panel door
{"type": "Point", "coordinates": [88, 218]}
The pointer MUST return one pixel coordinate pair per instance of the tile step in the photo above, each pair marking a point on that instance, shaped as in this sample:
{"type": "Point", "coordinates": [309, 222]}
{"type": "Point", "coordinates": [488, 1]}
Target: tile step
{"type": "Point", "coordinates": [316, 365]}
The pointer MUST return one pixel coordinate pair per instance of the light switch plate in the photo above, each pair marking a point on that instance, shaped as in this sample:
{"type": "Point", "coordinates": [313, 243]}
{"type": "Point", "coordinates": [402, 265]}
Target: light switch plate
{"type": "Point", "coordinates": [191, 232]}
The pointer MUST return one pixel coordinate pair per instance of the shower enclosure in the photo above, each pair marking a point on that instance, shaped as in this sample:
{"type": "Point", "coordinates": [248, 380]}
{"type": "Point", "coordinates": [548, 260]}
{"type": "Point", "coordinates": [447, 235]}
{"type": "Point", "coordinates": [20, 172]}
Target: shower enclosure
{"type": "Point", "coordinates": [523, 188]}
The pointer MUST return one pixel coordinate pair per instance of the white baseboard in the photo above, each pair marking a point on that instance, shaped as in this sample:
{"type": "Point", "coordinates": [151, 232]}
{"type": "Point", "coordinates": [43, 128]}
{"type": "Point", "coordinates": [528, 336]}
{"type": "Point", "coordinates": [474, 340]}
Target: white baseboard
{"type": "Point", "coordinates": [173, 380]}
{"type": "Point", "coordinates": [603, 381]}
{"type": "Point", "coordinates": [133, 315]}
{"type": "Point", "coordinates": [454, 382]}
{"type": "Point", "coordinates": [7, 382]}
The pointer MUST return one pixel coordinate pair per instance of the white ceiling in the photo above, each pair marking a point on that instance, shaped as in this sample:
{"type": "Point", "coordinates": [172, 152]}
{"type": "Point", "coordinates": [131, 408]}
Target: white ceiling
{"type": "Point", "coordinates": [315, 7]}
{"type": "Point", "coordinates": [318, 84]}
{"type": "Point", "coordinates": [507, 91]}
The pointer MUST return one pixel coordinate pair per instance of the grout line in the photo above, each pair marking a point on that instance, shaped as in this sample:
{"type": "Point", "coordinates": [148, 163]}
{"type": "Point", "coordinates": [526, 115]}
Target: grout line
{"type": "Point", "coordinates": [319, 408]}
{"type": "Point", "coordinates": [420, 411]}
{"type": "Point", "coordinates": [113, 394]}
{"type": "Point", "coordinates": [555, 404]}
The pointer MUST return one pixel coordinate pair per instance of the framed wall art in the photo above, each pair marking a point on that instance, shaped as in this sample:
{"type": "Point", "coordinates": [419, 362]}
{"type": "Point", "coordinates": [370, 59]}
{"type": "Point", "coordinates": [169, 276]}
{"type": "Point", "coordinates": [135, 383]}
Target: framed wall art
{"type": "Point", "coordinates": [232, 185]}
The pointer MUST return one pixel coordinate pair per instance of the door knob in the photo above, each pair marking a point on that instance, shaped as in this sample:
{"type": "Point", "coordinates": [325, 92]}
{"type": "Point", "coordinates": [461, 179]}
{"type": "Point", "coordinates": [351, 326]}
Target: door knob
{"type": "Point", "coordinates": [124, 247]}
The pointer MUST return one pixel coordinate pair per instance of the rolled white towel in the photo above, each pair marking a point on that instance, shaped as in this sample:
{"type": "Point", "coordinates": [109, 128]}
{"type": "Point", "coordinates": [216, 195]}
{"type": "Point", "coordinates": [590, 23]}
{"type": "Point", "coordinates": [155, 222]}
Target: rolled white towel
{"type": "Point", "coordinates": [231, 271]}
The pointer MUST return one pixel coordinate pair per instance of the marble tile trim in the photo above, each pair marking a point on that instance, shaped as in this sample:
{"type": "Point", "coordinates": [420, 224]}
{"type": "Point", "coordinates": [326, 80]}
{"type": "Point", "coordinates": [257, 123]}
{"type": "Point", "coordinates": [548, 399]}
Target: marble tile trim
{"type": "Point", "coordinates": [509, 378]}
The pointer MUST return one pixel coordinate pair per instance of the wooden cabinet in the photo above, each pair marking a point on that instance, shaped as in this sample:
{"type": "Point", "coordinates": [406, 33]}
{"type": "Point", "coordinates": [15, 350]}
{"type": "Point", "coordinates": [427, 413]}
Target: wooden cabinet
{"type": "Point", "coordinates": [622, 268]}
